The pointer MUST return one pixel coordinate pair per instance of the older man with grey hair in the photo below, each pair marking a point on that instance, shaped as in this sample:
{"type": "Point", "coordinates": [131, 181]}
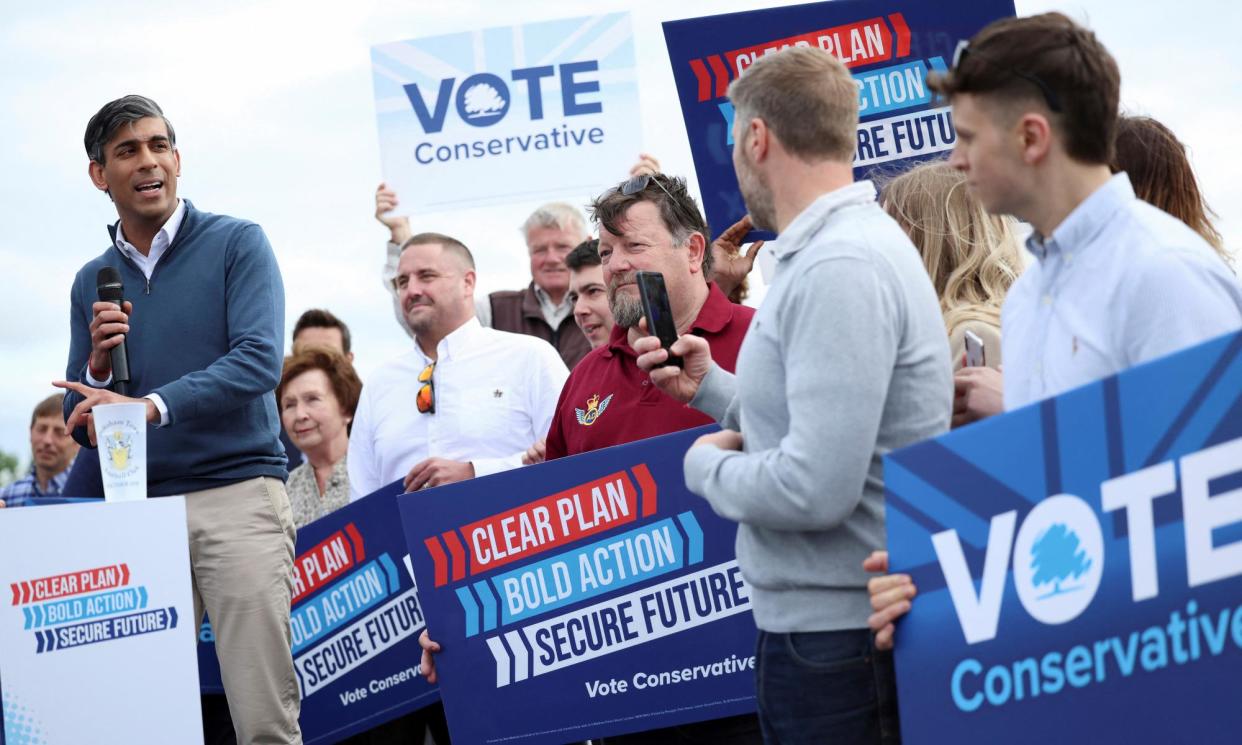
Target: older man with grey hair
{"type": "Point", "coordinates": [542, 308]}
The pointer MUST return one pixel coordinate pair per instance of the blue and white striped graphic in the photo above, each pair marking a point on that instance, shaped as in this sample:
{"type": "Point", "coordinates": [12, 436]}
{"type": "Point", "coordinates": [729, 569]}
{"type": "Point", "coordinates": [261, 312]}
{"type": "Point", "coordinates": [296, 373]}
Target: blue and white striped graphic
{"type": "Point", "coordinates": [1150, 461]}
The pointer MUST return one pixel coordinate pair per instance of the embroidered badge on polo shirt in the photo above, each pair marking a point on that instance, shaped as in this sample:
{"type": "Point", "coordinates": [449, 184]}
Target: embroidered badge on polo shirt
{"type": "Point", "coordinates": [594, 410]}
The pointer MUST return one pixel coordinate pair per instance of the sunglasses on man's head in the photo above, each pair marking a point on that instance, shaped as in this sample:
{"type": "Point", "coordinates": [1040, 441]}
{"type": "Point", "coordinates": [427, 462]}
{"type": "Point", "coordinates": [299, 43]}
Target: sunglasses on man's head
{"type": "Point", "coordinates": [1050, 96]}
{"type": "Point", "coordinates": [636, 184]}
{"type": "Point", "coordinates": [639, 182]}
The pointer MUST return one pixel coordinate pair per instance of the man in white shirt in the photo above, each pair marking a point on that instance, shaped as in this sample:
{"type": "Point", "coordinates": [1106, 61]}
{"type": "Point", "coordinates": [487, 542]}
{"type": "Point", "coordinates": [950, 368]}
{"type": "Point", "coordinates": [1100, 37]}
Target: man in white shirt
{"type": "Point", "coordinates": [1115, 281]}
{"type": "Point", "coordinates": [467, 400]}
{"type": "Point", "coordinates": [541, 309]}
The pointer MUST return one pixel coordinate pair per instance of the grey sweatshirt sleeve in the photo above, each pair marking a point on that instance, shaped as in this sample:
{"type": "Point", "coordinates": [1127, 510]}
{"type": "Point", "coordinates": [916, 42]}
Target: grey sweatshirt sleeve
{"type": "Point", "coordinates": [838, 342]}
{"type": "Point", "coordinates": [716, 396]}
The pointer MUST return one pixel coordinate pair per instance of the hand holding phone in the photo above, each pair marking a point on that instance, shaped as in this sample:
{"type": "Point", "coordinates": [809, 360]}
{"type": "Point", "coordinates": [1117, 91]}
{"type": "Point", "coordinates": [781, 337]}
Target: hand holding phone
{"type": "Point", "coordinates": [659, 315]}
{"type": "Point", "coordinates": [974, 350]}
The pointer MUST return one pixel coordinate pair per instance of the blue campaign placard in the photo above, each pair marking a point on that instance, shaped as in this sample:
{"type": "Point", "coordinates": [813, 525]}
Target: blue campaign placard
{"type": "Point", "coordinates": [889, 47]}
{"type": "Point", "coordinates": [356, 618]}
{"type": "Point", "coordinates": [1079, 563]}
{"type": "Point", "coordinates": [585, 597]}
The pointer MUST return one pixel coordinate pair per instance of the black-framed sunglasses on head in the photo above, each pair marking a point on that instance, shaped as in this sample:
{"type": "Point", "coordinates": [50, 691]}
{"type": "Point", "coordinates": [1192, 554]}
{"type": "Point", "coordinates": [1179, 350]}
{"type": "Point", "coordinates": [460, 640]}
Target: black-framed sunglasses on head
{"type": "Point", "coordinates": [1050, 96]}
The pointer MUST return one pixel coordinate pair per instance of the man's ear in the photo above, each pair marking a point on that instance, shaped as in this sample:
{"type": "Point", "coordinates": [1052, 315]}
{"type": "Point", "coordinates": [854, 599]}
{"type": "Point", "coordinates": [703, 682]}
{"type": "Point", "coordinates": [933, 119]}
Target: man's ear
{"type": "Point", "coordinates": [1034, 134]}
{"type": "Point", "coordinates": [177, 155]}
{"type": "Point", "coordinates": [696, 247]}
{"type": "Point", "coordinates": [757, 140]}
{"type": "Point", "coordinates": [95, 170]}
{"type": "Point", "coordinates": [469, 278]}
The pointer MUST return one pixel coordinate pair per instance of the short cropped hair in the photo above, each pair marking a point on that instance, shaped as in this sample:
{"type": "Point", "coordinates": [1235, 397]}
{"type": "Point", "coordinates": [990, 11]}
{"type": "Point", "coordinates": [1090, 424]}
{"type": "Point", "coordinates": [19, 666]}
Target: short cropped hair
{"type": "Point", "coordinates": [346, 385]}
{"type": "Point", "coordinates": [318, 318]}
{"type": "Point", "coordinates": [678, 211]}
{"type": "Point", "coordinates": [584, 254]}
{"type": "Point", "coordinates": [1050, 60]}
{"type": "Point", "coordinates": [555, 215]}
{"type": "Point", "coordinates": [114, 115]}
{"type": "Point", "coordinates": [450, 244]}
{"type": "Point", "coordinates": [53, 405]}
{"type": "Point", "coordinates": [806, 97]}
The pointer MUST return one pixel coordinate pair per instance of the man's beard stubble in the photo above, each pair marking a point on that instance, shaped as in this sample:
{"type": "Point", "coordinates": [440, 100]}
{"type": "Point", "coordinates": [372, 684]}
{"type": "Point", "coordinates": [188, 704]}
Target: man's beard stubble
{"type": "Point", "coordinates": [626, 311]}
{"type": "Point", "coordinates": [758, 198]}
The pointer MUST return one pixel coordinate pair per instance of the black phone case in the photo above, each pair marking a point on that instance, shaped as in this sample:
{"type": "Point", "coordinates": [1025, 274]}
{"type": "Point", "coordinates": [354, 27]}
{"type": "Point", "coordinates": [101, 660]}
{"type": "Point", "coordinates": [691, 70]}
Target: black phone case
{"type": "Point", "coordinates": [660, 322]}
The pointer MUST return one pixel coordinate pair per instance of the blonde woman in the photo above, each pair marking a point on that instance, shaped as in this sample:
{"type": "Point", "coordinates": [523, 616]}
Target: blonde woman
{"type": "Point", "coordinates": [971, 256]}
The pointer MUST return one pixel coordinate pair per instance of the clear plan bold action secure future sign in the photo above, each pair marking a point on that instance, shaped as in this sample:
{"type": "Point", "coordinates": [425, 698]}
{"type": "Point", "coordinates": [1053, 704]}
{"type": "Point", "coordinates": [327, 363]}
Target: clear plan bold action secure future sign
{"type": "Point", "coordinates": [584, 597]}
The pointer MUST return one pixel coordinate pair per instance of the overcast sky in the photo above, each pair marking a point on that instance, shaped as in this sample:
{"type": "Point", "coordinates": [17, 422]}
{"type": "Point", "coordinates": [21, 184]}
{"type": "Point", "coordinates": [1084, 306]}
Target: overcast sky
{"type": "Point", "coordinates": [273, 107]}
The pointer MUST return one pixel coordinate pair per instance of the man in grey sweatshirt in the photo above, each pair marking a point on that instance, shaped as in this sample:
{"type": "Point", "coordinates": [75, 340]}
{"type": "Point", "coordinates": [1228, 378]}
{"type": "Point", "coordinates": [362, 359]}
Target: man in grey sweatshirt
{"type": "Point", "coordinates": [846, 359]}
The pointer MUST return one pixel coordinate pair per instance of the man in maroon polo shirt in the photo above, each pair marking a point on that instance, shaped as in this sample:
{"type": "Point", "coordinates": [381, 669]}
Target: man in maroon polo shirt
{"type": "Point", "coordinates": [650, 223]}
{"type": "Point", "coordinates": [607, 399]}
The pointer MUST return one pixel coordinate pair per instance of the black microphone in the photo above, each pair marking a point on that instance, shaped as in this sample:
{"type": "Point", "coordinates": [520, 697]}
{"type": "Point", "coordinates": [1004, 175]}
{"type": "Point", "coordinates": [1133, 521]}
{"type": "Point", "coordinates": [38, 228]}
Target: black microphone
{"type": "Point", "coordinates": [108, 282]}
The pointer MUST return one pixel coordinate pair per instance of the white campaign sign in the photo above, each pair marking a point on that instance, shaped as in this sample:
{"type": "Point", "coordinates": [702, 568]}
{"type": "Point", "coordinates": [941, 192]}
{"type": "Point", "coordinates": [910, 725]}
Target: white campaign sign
{"type": "Point", "coordinates": [512, 114]}
{"type": "Point", "coordinates": [97, 635]}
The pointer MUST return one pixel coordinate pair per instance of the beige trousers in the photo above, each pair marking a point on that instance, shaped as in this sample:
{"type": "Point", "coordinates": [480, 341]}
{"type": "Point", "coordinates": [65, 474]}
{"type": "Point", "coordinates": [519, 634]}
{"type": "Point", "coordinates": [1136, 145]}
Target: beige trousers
{"type": "Point", "coordinates": [241, 563]}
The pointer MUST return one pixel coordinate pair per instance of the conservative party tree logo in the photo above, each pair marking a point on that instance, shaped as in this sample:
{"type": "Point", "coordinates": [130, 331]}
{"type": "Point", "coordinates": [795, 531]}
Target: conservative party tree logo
{"type": "Point", "coordinates": [1064, 550]}
{"type": "Point", "coordinates": [484, 105]}
{"type": "Point", "coordinates": [1057, 558]}
{"type": "Point", "coordinates": [88, 606]}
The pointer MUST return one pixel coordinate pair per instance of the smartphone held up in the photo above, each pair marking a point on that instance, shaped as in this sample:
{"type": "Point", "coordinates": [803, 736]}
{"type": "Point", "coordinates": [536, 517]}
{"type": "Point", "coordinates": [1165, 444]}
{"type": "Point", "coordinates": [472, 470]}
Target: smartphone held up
{"type": "Point", "coordinates": [658, 312]}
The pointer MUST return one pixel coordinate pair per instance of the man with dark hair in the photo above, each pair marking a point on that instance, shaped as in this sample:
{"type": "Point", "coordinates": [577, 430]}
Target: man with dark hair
{"type": "Point", "coordinates": [647, 223]}
{"type": "Point", "coordinates": [650, 223]}
{"type": "Point", "coordinates": [321, 328]}
{"type": "Point", "coordinates": [542, 308]}
{"type": "Point", "coordinates": [588, 295]}
{"type": "Point", "coordinates": [205, 349]}
{"type": "Point", "coordinates": [847, 359]}
{"type": "Point", "coordinates": [466, 401]}
{"type": "Point", "coordinates": [52, 452]}
{"type": "Point", "coordinates": [1115, 282]}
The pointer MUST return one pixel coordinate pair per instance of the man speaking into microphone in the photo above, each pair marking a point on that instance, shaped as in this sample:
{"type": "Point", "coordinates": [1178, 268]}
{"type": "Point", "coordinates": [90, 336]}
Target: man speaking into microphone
{"type": "Point", "coordinates": [201, 317]}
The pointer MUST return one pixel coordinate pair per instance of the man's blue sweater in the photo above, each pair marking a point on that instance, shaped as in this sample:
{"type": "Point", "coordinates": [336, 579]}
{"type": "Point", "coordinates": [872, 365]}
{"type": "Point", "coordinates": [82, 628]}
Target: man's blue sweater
{"type": "Point", "coordinates": [206, 335]}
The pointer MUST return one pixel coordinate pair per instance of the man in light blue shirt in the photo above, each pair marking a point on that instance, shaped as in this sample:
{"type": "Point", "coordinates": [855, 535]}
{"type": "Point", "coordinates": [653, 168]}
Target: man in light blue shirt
{"type": "Point", "coordinates": [1115, 281]}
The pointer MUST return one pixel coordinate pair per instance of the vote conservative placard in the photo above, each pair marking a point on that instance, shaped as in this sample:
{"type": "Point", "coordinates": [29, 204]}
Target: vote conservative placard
{"type": "Point", "coordinates": [510, 114]}
{"type": "Point", "coordinates": [584, 597]}
{"type": "Point", "coordinates": [355, 622]}
{"type": "Point", "coordinates": [889, 47]}
{"type": "Point", "coordinates": [1079, 564]}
